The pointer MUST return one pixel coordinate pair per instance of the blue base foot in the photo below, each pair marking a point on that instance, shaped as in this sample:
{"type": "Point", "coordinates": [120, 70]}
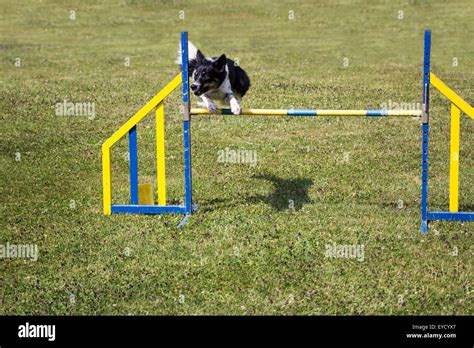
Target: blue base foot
{"type": "Point", "coordinates": [183, 222]}
{"type": "Point", "coordinates": [186, 217]}
{"type": "Point", "coordinates": [424, 227]}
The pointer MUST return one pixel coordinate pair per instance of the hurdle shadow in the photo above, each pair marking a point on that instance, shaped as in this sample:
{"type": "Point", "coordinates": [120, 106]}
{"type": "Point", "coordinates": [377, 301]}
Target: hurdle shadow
{"type": "Point", "coordinates": [284, 190]}
{"type": "Point", "coordinates": [466, 207]}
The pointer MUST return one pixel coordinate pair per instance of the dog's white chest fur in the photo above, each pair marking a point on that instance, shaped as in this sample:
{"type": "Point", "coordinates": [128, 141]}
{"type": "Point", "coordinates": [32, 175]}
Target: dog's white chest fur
{"type": "Point", "coordinates": [218, 94]}
{"type": "Point", "coordinates": [224, 91]}
{"type": "Point", "coordinates": [223, 94]}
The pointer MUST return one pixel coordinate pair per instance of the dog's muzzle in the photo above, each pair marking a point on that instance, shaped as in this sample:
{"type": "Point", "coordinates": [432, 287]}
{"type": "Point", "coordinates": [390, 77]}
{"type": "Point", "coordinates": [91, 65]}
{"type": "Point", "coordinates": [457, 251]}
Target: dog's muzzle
{"type": "Point", "coordinates": [197, 89]}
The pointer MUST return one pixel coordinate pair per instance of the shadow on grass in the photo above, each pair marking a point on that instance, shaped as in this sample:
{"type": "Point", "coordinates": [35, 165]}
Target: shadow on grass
{"type": "Point", "coordinates": [466, 208]}
{"type": "Point", "coordinates": [293, 193]}
{"type": "Point", "coordinates": [287, 193]}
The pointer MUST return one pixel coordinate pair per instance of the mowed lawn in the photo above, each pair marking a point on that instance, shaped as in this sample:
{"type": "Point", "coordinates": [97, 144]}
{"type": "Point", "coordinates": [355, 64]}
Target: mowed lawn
{"type": "Point", "coordinates": [257, 244]}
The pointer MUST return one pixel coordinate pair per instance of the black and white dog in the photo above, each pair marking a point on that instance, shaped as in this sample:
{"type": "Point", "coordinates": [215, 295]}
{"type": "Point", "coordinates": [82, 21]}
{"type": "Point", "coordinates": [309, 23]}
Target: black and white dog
{"type": "Point", "coordinates": [216, 79]}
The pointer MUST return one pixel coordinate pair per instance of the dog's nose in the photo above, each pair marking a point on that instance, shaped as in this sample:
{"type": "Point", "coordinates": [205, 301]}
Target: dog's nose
{"type": "Point", "coordinates": [194, 87]}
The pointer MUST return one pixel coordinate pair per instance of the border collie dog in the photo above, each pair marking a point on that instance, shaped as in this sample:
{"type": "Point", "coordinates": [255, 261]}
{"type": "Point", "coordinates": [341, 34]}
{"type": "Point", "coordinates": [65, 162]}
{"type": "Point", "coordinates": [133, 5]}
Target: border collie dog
{"type": "Point", "coordinates": [216, 79]}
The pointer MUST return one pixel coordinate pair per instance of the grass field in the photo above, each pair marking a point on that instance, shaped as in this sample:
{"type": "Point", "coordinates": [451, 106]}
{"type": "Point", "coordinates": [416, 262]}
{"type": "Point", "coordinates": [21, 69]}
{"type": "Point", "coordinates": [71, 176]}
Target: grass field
{"type": "Point", "coordinates": [257, 243]}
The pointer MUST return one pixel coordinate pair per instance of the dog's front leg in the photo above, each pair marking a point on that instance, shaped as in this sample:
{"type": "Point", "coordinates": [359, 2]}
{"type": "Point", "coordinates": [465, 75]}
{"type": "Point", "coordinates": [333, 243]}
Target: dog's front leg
{"type": "Point", "coordinates": [234, 104]}
{"type": "Point", "coordinates": [207, 102]}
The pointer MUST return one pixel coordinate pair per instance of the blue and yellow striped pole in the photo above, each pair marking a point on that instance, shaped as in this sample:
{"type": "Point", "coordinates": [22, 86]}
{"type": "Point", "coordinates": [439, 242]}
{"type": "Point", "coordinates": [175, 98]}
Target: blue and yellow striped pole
{"type": "Point", "coordinates": [310, 112]}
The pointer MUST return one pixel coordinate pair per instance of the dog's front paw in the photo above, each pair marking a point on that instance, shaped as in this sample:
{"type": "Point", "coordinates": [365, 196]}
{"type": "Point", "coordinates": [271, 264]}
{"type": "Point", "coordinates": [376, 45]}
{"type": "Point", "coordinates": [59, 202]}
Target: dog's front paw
{"type": "Point", "coordinates": [235, 107]}
{"type": "Point", "coordinates": [212, 108]}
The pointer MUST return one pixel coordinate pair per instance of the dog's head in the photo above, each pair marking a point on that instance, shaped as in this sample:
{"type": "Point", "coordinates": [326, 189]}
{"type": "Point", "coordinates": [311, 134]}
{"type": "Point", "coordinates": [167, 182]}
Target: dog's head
{"type": "Point", "coordinates": [208, 73]}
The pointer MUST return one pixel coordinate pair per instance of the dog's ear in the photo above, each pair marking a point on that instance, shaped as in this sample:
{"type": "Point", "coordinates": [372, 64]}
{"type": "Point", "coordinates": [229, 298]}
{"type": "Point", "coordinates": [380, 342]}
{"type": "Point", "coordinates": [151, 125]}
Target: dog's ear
{"type": "Point", "coordinates": [219, 64]}
{"type": "Point", "coordinates": [199, 56]}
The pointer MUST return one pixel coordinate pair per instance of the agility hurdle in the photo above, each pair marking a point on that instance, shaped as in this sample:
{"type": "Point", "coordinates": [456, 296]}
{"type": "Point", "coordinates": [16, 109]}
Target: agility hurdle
{"type": "Point", "coordinates": [457, 105]}
{"type": "Point", "coordinates": [136, 205]}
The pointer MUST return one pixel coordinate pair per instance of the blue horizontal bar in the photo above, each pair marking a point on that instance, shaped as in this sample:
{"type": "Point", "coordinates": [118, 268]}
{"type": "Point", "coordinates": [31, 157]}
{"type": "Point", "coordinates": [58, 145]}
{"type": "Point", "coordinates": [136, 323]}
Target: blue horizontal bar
{"type": "Point", "coordinates": [451, 216]}
{"type": "Point", "coordinates": [377, 113]}
{"type": "Point", "coordinates": [148, 209]}
{"type": "Point", "coordinates": [301, 112]}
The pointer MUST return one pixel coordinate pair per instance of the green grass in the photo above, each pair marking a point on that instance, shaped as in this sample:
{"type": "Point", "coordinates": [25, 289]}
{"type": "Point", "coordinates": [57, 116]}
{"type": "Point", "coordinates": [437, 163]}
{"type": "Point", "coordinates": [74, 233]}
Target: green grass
{"type": "Point", "coordinates": [244, 252]}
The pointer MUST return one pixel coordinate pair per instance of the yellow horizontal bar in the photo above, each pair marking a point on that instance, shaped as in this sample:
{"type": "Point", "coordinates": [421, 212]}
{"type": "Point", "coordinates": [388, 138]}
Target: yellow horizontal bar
{"type": "Point", "coordinates": [143, 112]}
{"type": "Point", "coordinates": [452, 96]}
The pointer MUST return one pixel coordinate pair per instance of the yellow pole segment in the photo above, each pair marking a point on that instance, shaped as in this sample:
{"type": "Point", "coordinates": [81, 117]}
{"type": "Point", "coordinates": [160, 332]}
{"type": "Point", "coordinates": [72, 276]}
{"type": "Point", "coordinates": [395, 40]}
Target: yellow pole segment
{"type": "Point", "coordinates": [454, 159]}
{"type": "Point", "coordinates": [106, 181]}
{"type": "Point", "coordinates": [452, 96]}
{"type": "Point", "coordinates": [160, 154]}
{"type": "Point", "coordinates": [143, 111]}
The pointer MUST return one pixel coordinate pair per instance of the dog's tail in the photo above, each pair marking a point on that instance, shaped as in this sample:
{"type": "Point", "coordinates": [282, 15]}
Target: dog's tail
{"type": "Point", "coordinates": [192, 53]}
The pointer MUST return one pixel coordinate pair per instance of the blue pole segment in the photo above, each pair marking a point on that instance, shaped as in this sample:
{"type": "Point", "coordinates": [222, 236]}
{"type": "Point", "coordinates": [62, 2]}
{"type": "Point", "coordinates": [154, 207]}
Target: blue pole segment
{"type": "Point", "coordinates": [377, 113]}
{"type": "Point", "coordinates": [227, 112]}
{"type": "Point", "coordinates": [426, 74]}
{"type": "Point", "coordinates": [424, 179]}
{"type": "Point", "coordinates": [187, 167]}
{"type": "Point", "coordinates": [186, 124]}
{"type": "Point", "coordinates": [132, 149]}
{"type": "Point", "coordinates": [303, 112]}
{"type": "Point", "coordinates": [184, 66]}
{"type": "Point", "coordinates": [425, 132]}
